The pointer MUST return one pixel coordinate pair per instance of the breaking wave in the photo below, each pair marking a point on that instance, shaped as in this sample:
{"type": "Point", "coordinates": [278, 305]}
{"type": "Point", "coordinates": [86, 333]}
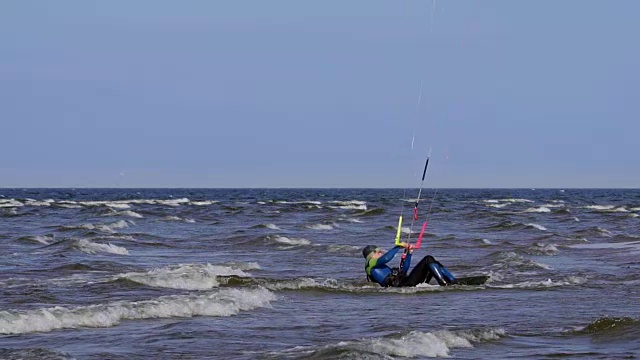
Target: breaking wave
{"type": "Point", "coordinates": [406, 345]}
{"type": "Point", "coordinates": [186, 277]}
{"type": "Point", "coordinates": [224, 302]}
{"type": "Point", "coordinates": [89, 247]}
{"type": "Point", "coordinates": [614, 326]}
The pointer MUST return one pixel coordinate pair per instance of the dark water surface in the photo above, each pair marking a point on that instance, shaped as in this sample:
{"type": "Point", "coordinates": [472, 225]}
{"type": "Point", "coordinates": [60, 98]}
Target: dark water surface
{"type": "Point", "coordinates": [278, 274]}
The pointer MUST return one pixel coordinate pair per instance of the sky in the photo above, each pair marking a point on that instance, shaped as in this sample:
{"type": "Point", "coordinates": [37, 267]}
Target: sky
{"type": "Point", "coordinates": [153, 93]}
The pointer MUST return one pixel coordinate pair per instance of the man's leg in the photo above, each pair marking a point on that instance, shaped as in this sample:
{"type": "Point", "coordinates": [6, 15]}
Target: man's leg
{"type": "Point", "coordinates": [423, 271]}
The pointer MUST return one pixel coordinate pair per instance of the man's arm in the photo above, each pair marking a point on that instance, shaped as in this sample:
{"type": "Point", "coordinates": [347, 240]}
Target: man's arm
{"type": "Point", "coordinates": [388, 256]}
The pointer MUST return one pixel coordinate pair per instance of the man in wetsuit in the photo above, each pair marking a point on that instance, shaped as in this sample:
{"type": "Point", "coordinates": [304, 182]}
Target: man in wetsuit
{"type": "Point", "coordinates": [378, 271]}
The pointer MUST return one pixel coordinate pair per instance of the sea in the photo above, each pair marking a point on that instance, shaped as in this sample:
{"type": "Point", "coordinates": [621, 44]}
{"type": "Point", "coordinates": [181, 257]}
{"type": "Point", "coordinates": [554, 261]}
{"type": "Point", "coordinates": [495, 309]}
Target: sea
{"type": "Point", "coordinates": [279, 274]}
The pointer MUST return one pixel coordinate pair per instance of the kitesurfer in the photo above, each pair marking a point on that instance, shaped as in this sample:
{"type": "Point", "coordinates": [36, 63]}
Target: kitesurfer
{"type": "Point", "coordinates": [378, 271]}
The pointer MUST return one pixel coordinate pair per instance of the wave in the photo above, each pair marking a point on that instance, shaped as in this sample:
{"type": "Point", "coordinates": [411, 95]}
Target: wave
{"type": "Point", "coordinates": [333, 285]}
{"type": "Point", "coordinates": [204, 202]}
{"type": "Point", "coordinates": [482, 242]}
{"type": "Point", "coordinates": [541, 209]}
{"type": "Point", "coordinates": [617, 327]}
{"type": "Point", "coordinates": [268, 226]}
{"type": "Point", "coordinates": [508, 200]}
{"type": "Point", "coordinates": [320, 226]}
{"type": "Point", "coordinates": [42, 239]}
{"type": "Point", "coordinates": [593, 231]}
{"type": "Point", "coordinates": [351, 220]}
{"type": "Point", "coordinates": [535, 226]}
{"type": "Point", "coordinates": [110, 228]}
{"type": "Point", "coordinates": [562, 211]}
{"type": "Point", "coordinates": [570, 281]}
{"type": "Point", "coordinates": [509, 260]}
{"type": "Point", "coordinates": [607, 208]}
{"type": "Point", "coordinates": [34, 353]}
{"type": "Point", "coordinates": [89, 247]}
{"type": "Point", "coordinates": [543, 249]}
{"type": "Point", "coordinates": [185, 277]}
{"type": "Point", "coordinates": [630, 245]}
{"type": "Point", "coordinates": [345, 248]}
{"type": "Point", "coordinates": [349, 205]}
{"type": "Point", "coordinates": [128, 213]}
{"type": "Point", "coordinates": [506, 225]}
{"type": "Point", "coordinates": [9, 203]}
{"type": "Point", "coordinates": [371, 212]}
{"type": "Point", "coordinates": [224, 302]}
{"type": "Point", "coordinates": [406, 345]}
{"type": "Point", "coordinates": [176, 218]}
{"type": "Point", "coordinates": [9, 212]}
{"type": "Point", "coordinates": [288, 241]}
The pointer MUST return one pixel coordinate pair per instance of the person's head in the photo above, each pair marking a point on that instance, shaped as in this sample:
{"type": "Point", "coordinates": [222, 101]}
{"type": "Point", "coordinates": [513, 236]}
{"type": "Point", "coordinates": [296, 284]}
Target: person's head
{"type": "Point", "coordinates": [371, 251]}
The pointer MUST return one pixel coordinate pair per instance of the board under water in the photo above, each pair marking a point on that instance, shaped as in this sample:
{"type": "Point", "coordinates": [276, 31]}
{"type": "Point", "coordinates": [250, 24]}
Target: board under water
{"type": "Point", "coordinates": [472, 280]}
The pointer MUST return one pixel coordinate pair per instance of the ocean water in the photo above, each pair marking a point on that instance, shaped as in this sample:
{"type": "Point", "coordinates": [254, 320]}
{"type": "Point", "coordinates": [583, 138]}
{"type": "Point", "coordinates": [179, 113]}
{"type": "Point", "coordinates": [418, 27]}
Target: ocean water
{"type": "Point", "coordinates": [278, 274]}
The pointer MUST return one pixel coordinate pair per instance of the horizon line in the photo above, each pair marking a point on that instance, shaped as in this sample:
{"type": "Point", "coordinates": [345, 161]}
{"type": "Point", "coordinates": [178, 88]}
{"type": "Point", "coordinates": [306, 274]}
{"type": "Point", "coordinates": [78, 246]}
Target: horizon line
{"type": "Point", "coordinates": [314, 188]}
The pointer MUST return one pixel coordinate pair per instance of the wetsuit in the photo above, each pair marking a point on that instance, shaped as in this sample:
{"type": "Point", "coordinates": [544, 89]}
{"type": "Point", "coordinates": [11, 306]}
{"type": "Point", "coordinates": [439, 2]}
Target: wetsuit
{"type": "Point", "coordinates": [428, 267]}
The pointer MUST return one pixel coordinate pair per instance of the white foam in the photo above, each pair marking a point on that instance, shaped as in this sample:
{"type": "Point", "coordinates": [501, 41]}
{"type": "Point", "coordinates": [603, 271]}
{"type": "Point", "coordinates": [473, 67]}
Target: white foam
{"type": "Point", "coordinates": [411, 345]}
{"type": "Point", "coordinates": [117, 205]}
{"type": "Point", "coordinates": [599, 207]}
{"type": "Point", "coordinates": [539, 227]}
{"type": "Point", "coordinates": [498, 206]}
{"type": "Point", "coordinates": [44, 239]}
{"type": "Point", "coordinates": [555, 205]}
{"type": "Point", "coordinates": [129, 213]}
{"type": "Point", "coordinates": [32, 202]}
{"type": "Point", "coordinates": [245, 266]}
{"type": "Point", "coordinates": [549, 249]}
{"type": "Point", "coordinates": [288, 241]}
{"type": "Point", "coordinates": [105, 227]}
{"type": "Point", "coordinates": [10, 203]}
{"type": "Point", "coordinates": [70, 206]}
{"type": "Point", "coordinates": [508, 200]}
{"type": "Point", "coordinates": [10, 211]}
{"type": "Point", "coordinates": [224, 302]}
{"type": "Point", "coordinates": [349, 202]}
{"type": "Point", "coordinates": [540, 209]}
{"type": "Point", "coordinates": [350, 207]}
{"type": "Point", "coordinates": [305, 202]}
{"type": "Point", "coordinates": [320, 227]}
{"type": "Point", "coordinates": [187, 277]}
{"type": "Point", "coordinates": [113, 226]}
{"type": "Point", "coordinates": [176, 218]}
{"type": "Point", "coordinates": [346, 248]}
{"type": "Point", "coordinates": [89, 247]}
{"type": "Point", "coordinates": [405, 229]}
{"type": "Point", "coordinates": [511, 260]}
{"type": "Point", "coordinates": [571, 280]}
{"type": "Point", "coordinates": [272, 226]}
{"type": "Point", "coordinates": [172, 218]}
{"type": "Point", "coordinates": [204, 203]}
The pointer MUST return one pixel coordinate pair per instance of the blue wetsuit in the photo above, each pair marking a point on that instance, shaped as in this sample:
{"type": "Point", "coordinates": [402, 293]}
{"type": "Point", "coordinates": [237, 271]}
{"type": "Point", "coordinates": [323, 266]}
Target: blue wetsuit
{"type": "Point", "coordinates": [378, 271]}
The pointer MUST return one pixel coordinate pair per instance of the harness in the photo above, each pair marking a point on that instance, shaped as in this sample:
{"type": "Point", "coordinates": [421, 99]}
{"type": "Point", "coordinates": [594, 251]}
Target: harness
{"type": "Point", "coordinates": [395, 278]}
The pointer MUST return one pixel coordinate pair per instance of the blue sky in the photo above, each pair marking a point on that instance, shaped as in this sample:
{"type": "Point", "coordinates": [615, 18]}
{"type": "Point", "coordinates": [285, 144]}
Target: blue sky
{"type": "Point", "coordinates": [319, 94]}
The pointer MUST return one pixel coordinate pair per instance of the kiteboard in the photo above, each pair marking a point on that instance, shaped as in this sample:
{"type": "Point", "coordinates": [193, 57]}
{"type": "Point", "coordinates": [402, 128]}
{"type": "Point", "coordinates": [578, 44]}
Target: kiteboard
{"type": "Point", "coordinates": [472, 280]}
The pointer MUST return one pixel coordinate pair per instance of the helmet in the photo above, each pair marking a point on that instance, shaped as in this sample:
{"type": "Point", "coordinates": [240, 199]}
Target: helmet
{"type": "Point", "coordinates": [368, 250]}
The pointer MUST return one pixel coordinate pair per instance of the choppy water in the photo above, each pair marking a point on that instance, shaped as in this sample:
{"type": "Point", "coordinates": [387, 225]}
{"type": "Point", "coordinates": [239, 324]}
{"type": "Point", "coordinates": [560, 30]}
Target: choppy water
{"type": "Point", "coordinates": [278, 274]}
